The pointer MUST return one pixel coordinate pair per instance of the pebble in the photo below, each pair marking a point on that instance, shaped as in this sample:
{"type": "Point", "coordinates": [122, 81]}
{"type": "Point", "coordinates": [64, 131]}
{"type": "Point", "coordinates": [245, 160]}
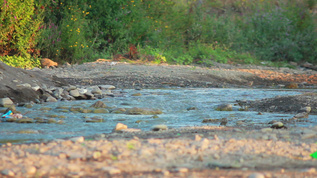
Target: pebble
{"type": "Point", "coordinates": [7, 172]}
{"type": "Point", "coordinates": [111, 170]}
{"type": "Point", "coordinates": [159, 127]}
{"type": "Point", "coordinates": [120, 126]}
{"type": "Point", "coordinates": [277, 125]}
{"type": "Point", "coordinates": [256, 175]}
{"type": "Point", "coordinates": [266, 130]}
{"type": "Point", "coordinates": [30, 170]}
{"type": "Point", "coordinates": [77, 139]}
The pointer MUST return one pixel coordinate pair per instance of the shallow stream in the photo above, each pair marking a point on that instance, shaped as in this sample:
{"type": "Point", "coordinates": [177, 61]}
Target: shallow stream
{"type": "Point", "coordinates": [173, 103]}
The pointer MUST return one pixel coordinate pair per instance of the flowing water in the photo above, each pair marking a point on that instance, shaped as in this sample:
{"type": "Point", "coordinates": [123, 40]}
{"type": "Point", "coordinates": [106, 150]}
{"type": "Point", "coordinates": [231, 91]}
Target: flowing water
{"type": "Point", "coordinates": [173, 103]}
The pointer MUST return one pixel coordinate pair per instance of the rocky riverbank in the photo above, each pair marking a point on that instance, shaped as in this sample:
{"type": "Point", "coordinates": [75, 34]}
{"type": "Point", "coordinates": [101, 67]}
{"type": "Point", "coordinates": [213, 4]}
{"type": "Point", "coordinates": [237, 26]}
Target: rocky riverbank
{"type": "Point", "coordinates": [207, 151]}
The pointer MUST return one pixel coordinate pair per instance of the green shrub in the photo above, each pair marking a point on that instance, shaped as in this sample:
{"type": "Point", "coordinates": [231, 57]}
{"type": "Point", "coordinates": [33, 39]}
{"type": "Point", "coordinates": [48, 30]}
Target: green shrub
{"type": "Point", "coordinates": [20, 62]}
{"type": "Point", "coordinates": [20, 22]}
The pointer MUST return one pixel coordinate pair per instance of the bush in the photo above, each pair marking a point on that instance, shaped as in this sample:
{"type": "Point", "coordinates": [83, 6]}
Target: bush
{"type": "Point", "coordinates": [20, 22]}
{"type": "Point", "coordinates": [20, 62]}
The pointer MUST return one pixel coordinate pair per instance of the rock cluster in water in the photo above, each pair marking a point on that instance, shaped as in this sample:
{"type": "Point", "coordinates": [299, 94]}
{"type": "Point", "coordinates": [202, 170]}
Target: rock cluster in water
{"type": "Point", "coordinates": [53, 94]}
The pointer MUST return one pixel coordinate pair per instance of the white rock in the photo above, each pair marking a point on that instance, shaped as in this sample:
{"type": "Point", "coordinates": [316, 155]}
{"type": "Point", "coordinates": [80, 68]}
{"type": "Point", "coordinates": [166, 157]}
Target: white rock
{"type": "Point", "coordinates": [277, 125]}
{"type": "Point", "coordinates": [82, 91]}
{"type": "Point", "coordinates": [120, 126]}
{"type": "Point", "coordinates": [35, 88]}
{"type": "Point", "coordinates": [107, 87]}
{"type": "Point", "coordinates": [266, 130]}
{"type": "Point", "coordinates": [25, 85]}
{"type": "Point", "coordinates": [77, 139]}
{"type": "Point", "coordinates": [111, 170]}
{"type": "Point", "coordinates": [5, 102]}
{"type": "Point", "coordinates": [74, 93]}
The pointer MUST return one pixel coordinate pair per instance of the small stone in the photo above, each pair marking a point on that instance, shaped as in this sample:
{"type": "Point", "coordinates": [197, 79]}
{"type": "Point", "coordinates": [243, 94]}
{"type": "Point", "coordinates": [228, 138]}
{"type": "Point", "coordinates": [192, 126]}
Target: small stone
{"type": "Point", "coordinates": [191, 108]}
{"type": "Point", "coordinates": [277, 125]}
{"type": "Point", "coordinates": [100, 110]}
{"type": "Point", "coordinates": [7, 172]}
{"type": "Point", "coordinates": [28, 105]}
{"type": "Point", "coordinates": [256, 175]}
{"type": "Point", "coordinates": [25, 120]}
{"type": "Point", "coordinates": [74, 93]}
{"type": "Point", "coordinates": [130, 130]}
{"type": "Point", "coordinates": [77, 139]}
{"type": "Point", "coordinates": [111, 170]}
{"type": "Point", "coordinates": [31, 170]}
{"type": "Point", "coordinates": [118, 111]}
{"type": "Point", "coordinates": [99, 104]}
{"type": "Point", "coordinates": [27, 85]}
{"type": "Point", "coordinates": [182, 170]}
{"type": "Point", "coordinates": [5, 102]}
{"type": "Point", "coordinates": [120, 126]}
{"type": "Point", "coordinates": [107, 87]}
{"type": "Point", "coordinates": [95, 120]}
{"type": "Point", "coordinates": [224, 107]}
{"type": "Point", "coordinates": [95, 90]}
{"type": "Point", "coordinates": [51, 99]}
{"type": "Point", "coordinates": [137, 94]}
{"type": "Point", "coordinates": [266, 130]}
{"type": "Point", "coordinates": [198, 137]}
{"type": "Point", "coordinates": [29, 131]}
{"type": "Point", "coordinates": [159, 127]}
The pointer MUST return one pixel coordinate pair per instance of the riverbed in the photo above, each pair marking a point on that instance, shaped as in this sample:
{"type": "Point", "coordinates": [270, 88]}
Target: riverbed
{"type": "Point", "coordinates": [180, 107]}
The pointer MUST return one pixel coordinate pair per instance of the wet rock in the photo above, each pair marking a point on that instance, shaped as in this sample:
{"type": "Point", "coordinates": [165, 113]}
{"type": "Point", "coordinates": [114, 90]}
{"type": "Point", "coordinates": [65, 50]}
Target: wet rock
{"type": "Point", "coordinates": [62, 107]}
{"type": "Point", "coordinates": [107, 87]}
{"type": "Point", "coordinates": [6, 102]}
{"type": "Point", "coordinates": [25, 120]}
{"type": "Point", "coordinates": [224, 121]}
{"type": "Point", "coordinates": [28, 105]}
{"type": "Point", "coordinates": [77, 139]}
{"type": "Point", "coordinates": [45, 109]}
{"type": "Point", "coordinates": [99, 104]}
{"type": "Point", "coordinates": [76, 109]}
{"type": "Point", "coordinates": [51, 121]}
{"type": "Point", "coordinates": [301, 115]}
{"type": "Point", "coordinates": [137, 94]}
{"type": "Point", "coordinates": [129, 130]}
{"type": "Point", "coordinates": [100, 110]}
{"type": "Point", "coordinates": [143, 111]}
{"type": "Point", "coordinates": [95, 120]}
{"type": "Point", "coordinates": [118, 111]}
{"type": "Point", "coordinates": [224, 107]}
{"type": "Point", "coordinates": [211, 121]}
{"type": "Point", "coordinates": [28, 131]}
{"type": "Point", "coordinates": [86, 111]}
{"type": "Point", "coordinates": [159, 127]}
{"type": "Point", "coordinates": [191, 108]}
{"type": "Point", "coordinates": [155, 116]}
{"type": "Point", "coordinates": [120, 126]}
{"type": "Point", "coordinates": [277, 125]}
